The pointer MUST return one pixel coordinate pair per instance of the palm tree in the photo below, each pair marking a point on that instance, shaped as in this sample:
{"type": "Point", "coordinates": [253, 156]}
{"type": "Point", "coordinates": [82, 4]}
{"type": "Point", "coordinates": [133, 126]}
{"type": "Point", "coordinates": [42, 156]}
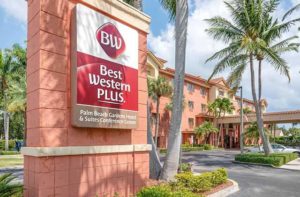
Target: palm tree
{"type": "Point", "coordinates": [158, 88]}
{"type": "Point", "coordinates": [218, 109]}
{"type": "Point", "coordinates": [250, 38]}
{"type": "Point", "coordinates": [205, 129]}
{"type": "Point", "coordinates": [178, 11]}
{"type": "Point", "coordinates": [138, 4]}
{"type": "Point", "coordinates": [253, 133]}
{"type": "Point", "coordinates": [7, 188]}
{"type": "Point", "coordinates": [174, 140]}
{"type": "Point", "coordinates": [11, 62]}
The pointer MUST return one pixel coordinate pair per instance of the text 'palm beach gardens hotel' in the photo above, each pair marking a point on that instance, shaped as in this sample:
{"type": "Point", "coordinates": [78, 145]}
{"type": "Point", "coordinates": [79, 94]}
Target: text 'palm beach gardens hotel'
{"type": "Point", "coordinates": [198, 93]}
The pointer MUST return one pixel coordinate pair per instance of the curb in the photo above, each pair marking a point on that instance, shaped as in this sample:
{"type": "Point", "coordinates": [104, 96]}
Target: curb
{"type": "Point", "coordinates": [227, 191]}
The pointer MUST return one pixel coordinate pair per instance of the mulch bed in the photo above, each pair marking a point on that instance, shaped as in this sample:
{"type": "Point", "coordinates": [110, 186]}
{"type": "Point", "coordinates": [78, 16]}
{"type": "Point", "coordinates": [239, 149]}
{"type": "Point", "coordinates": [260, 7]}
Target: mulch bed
{"type": "Point", "coordinates": [218, 188]}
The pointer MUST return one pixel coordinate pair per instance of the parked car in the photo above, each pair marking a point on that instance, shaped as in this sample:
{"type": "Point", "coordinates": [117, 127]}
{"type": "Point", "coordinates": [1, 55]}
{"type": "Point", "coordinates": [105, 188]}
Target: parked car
{"type": "Point", "coordinates": [278, 148]}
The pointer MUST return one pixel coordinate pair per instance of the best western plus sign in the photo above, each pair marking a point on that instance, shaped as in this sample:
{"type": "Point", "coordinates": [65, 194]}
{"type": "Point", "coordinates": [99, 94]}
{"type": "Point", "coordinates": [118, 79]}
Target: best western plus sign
{"type": "Point", "coordinates": [104, 71]}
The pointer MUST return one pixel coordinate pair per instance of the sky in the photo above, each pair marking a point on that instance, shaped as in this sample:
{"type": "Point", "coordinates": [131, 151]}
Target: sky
{"type": "Point", "coordinates": [280, 94]}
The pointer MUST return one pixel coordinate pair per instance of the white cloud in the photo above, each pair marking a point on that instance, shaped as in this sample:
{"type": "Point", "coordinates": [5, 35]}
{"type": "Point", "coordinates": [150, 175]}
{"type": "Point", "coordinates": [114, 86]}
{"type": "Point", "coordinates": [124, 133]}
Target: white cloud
{"type": "Point", "coordinates": [280, 94]}
{"type": "Point", "coordinates": [15, 8]}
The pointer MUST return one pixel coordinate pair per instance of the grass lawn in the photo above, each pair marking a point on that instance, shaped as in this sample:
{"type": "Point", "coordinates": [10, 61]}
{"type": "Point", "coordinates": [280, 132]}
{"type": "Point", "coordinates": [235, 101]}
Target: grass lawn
{"type": "Point", "coordinates": [11, 160]}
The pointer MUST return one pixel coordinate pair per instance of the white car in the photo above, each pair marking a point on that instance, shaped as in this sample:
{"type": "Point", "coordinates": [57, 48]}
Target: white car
{"type": "Point", "coordinates": [278, 148]}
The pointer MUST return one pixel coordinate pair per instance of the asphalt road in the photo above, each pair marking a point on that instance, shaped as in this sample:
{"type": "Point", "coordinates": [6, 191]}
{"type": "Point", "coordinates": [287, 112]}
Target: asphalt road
{"type": "Point", "coordinates": [254, 181]}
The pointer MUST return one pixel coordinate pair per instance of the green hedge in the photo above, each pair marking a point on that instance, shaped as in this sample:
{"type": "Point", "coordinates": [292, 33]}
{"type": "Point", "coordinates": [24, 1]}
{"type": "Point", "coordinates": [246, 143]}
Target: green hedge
{"type": "Point", "coordinates": [9, 153]}
{"type": "Point", "coordinates": [287, 140]}
{"type": "Point", "coordinates": [11, 144]}
{"type": "Point", "coordinates": [186, 185]}
{"type": "Point", "coordinates": [184, 149]}
{"type": "Point", "coordinates": [191, 148]}
{"type": "Point", "coordinates": [275, 159]}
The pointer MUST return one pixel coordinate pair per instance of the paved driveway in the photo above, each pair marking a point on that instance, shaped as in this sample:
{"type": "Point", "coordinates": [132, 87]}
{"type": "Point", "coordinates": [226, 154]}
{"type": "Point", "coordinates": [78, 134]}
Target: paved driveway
{"type": "Point", "coordinates": [254, 181]}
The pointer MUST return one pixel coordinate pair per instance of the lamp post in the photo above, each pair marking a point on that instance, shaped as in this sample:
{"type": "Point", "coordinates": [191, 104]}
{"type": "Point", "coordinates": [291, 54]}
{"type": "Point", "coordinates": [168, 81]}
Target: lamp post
{"type": "Point", "coordinates": [242, 121]}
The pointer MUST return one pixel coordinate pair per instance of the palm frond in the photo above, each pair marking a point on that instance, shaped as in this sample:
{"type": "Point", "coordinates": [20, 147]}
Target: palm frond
{"type": "Point", "coordinates": [290, 12]}
{"type": "Point", "coordinates": [170, 6]}
{"type": "Point", "coordinates": [277, 62]}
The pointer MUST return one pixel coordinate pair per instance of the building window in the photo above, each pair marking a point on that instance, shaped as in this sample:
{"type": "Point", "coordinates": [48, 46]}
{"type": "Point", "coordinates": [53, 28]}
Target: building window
{"type": "Point", "coordinates": [203, 91]}
{"type": "Point", "coordinates": [190, 87]}
{"type": "Point", "coordinates": [191, 105]}
{"type": "Point", "coordinates": [151, 71]}
{"type": "Point", "coordinates": [221, 93]}
{"type": "Point", "coordinates": [191, 122]}
{"type": "Point", "coordinates": [203, 108]}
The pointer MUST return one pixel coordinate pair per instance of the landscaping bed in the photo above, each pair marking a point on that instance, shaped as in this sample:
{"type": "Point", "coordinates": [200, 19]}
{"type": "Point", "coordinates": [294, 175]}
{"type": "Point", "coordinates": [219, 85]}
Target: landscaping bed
{"type": "Point", "coordinates": [189, 185]}
{"type": "Point", "coordinates": [190, 148]}
{"type": "Point", "coordinates": [275, 159]}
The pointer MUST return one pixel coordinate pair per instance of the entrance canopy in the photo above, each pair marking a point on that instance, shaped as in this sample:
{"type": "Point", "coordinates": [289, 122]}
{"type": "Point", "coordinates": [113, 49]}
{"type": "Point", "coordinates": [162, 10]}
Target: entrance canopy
{"type": "Point", "coordinates": [271, 117]}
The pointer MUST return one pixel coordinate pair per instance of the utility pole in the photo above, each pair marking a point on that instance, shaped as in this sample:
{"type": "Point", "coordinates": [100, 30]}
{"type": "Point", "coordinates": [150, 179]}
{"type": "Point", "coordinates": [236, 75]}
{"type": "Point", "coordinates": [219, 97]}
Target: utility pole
{"type": "Point", "coordinates": [242, 121]}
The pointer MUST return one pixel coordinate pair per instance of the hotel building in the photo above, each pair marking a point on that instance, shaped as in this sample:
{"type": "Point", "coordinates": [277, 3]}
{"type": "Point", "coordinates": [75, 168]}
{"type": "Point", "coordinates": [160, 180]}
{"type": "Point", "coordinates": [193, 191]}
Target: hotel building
{"type": "Point", "coordinates": [198, 93]}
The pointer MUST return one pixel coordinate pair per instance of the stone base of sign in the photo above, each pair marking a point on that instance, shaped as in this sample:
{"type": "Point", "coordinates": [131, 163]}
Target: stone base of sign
{"type": "Point", "coordinates": [67, 161]}
{"type": "Point", "coordinates": [86, 175]}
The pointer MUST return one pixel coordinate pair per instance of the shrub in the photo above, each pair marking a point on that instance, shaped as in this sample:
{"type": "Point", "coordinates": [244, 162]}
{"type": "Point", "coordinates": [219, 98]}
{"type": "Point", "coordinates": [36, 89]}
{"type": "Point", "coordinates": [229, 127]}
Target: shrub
{"type": "Point", "coordinates": [9, 153]}
{"type": "Point", "coordinates": [219, 176]}
{"type": "Point", "coordinates": [185, 149]}
{"type": "Point", "coordinates": [155, 191]}
{"type": "Point", "coordinates": [185, 167]}
{"type": "Point", "coordinates": [208, 147]}
{"type": "Point", "coordinates": [275, 159]}
{"type": "Point", "coordinates": [184, 178]}
{"type": "Point", "coordinates": [7, 188]}
{"type": "Point", "coordinates": [164, 191]}
{"type": "Point", "coordinates": [11, 144]}
{"type": "Point", "coordinates": [202, 182]}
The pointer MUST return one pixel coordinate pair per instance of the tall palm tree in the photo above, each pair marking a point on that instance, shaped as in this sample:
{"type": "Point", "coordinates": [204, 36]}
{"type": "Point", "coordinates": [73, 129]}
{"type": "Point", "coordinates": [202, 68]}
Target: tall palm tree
{"type": "Point", "coordinates": [11, 61]}
{"type": "Point", "coordinates": [218, 109]}
{"type": "Point", "coordinates": [250, 38]}
{"type": "Point", "coordinates": [178, 11]}
{"type": "Point", "coordinates": [158, 88]}
{"type": "Point", "coordinates": [174, 140]}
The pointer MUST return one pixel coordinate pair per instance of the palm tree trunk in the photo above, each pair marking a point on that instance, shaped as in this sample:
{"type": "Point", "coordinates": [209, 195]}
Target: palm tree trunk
{"type": "Point", "coordinates": [174, 141]}
{"type": "Point", "coordinates": [259, 81]}
{"type": "Point", "coordinates": [6, 130]}
{"type": "Point", "coordinates": [157, 121]}
{"type": "Point", "coordinates": [154, 162]}
{"type": "Point", "coordinates": [260, 124]}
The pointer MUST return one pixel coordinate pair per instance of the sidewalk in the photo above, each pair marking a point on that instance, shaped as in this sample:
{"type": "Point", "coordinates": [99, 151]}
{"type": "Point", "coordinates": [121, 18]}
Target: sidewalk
{"type": "Point", "coordinates": [292, 165]}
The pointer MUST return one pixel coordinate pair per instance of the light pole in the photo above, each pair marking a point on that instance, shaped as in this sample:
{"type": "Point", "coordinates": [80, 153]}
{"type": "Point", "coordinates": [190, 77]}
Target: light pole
{"type": "Point", "coordinates": [242, 121]}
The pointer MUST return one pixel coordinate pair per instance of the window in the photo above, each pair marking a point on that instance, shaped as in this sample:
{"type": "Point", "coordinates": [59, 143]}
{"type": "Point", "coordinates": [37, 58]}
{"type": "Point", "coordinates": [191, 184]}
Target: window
{"type": "Point", "coordinates": [191, 105]}
{"type": "Point", "coordinates": [190, 87]}
{"type": "Point", "coordinates": [203, 108]}
{"type": "Point", "coordinates": [221, 93]}
{"type": "Point", "coordinates": [191, 122]}
{"type": "Point", "coordinates": [151, 71]}
{"type": "Point", "coordinates": [203, 91]}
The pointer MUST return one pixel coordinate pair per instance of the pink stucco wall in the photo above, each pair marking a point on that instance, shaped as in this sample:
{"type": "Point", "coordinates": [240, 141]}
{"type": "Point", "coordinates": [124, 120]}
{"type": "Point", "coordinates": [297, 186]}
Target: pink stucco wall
{"type": "Point", "coordinates": [48, 112]}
